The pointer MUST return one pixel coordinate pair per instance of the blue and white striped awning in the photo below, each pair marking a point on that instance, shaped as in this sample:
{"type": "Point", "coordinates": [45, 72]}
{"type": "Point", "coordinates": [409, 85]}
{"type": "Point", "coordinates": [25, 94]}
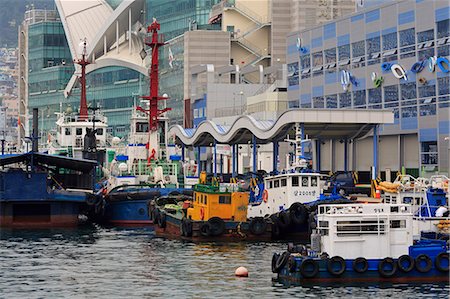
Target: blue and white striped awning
{"type": "Point", "coordinates": [318, 123]}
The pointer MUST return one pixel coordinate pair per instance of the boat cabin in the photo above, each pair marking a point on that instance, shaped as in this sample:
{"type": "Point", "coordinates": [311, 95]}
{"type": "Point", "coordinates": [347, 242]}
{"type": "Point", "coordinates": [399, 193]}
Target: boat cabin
{"type": "Point", "coordinates": [223, 201]}
{"type": "Point", "coordinates": [284, 189]}
{"type": "Point", "coordinates": [372, 231]}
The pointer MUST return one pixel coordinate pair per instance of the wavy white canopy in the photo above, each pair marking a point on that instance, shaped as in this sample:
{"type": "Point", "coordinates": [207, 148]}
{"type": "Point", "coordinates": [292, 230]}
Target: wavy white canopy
{"type": "Point", "coordinates": [318, 123]}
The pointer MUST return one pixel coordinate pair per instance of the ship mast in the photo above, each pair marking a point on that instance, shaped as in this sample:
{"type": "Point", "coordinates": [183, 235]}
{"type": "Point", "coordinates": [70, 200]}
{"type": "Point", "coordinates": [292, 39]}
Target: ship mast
{"type": "Point", "coordinates": [154, 41]}
{"type": "Point", "coordinates": [83, 114]}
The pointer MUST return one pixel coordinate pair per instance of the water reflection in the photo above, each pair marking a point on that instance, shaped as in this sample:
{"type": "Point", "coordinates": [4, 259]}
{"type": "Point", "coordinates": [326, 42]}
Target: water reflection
{"type": "Point", "coordinates": [94, 261]}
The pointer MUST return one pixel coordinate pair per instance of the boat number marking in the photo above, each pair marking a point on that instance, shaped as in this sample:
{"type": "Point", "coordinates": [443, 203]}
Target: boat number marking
{"type": "Point", "coordinates": [378, 210]}
{"type": "Point", "coordinates": [303, 193]}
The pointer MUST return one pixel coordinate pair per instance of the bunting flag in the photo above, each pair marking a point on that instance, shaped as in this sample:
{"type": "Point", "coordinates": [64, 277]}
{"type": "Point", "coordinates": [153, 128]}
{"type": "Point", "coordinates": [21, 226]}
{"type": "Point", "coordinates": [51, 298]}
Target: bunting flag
{"type": "Point", "coordinates": [171, 59]}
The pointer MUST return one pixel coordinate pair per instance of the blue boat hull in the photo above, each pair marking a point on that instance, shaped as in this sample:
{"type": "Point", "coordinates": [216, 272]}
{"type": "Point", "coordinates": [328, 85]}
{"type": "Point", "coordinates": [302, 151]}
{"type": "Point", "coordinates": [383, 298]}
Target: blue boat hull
{"type": "Point", "coordinates": [131, 212]}
{"type": "Point", "coordinates": [26, 214]}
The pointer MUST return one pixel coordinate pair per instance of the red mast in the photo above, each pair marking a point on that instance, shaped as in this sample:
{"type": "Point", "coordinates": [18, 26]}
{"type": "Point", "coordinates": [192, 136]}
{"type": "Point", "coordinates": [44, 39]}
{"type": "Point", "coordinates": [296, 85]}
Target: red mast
{"type": "Point", "coordinates": [154, 41]}
{"type": "Point", "coordinates": [83, 102]}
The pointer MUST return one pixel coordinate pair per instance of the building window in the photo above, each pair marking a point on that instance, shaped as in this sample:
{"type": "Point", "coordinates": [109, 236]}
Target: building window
{"type": "Point", "coordinates": [426, 110]}
{"type": "Point", "coordinates": [408, 91]}
{"type": "Point", "coordinates": [408, 112]}
{"type": "Point", "coordinates": [345, 100]}
{"type": "Point", "coordinates": [444, 102]}
{"type": "Point", "coordinates": [344, 52]}
{"type": "Point", "coordinates": [318, 102]}
{"type": "Point", "coordinates": [443, 28]}
{"type": "Point", "coordinates": [331, 101]}
{"type": "Point", "coordinates": [375, 95]}
{"type": "Point", "coordinates": [444, 85]}
{"type": "Point", "coordinates": [373, 46]}
{"type": "Point", "coordinates": [391, 93]}
{"type": "Point", "coordinates": [428, 90]}
{"type": "Point", "coordinates": [425, 54]}
{"type": "Point", "coordinates": [293, 74]}
{"type": "Point", "coordinates": [330, 55]}
{"type": "Point", "coordinates": [358, 52]}
{"type": "Point", "coordinates": [443, 51]}
{"type": "Point", "coordinates": [407, 37]}
{"type": "Point", "coordinates": [317, 58]}
{"type": "Point", "coordinates": [359, 98]}
{"type": "Point", "coordinates": [429, 153]}
{"type": "Point", "coordinates": [305, 61]}
{"type": "Point", "coordinates": [396, 113]}
{"type": "Point", "coordinates": [390, 41]}
{"type": "Point", "coordinates": [425, 36]}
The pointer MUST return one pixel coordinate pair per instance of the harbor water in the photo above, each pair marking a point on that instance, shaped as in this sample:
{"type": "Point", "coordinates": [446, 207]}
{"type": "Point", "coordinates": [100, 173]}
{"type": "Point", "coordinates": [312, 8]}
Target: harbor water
{"type": "Point", "coordinates": [96, 262]}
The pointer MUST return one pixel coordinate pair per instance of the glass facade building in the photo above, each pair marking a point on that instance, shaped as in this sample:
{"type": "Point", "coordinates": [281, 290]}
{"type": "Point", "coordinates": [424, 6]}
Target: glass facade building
{"type": "Point", "coordinates": [347, 64]}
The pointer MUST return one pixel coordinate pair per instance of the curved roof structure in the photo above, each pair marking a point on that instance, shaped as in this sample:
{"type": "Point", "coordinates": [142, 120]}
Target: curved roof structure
{"type": "Point", "coordinates": [112, 36]}
{"type": "Point", "coordinates": [318, 123]}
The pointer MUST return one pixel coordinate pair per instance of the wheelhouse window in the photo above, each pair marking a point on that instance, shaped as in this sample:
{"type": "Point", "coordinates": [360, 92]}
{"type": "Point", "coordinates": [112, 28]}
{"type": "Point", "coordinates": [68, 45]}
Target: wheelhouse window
{"type": "Point", "coordinates": [305, 182]}
{"type": "Point", "coordinates": [313, 182]}
{"type": "Point", "coordinates": [225, 199]}
{"type": "Point", "coordinates": [398, 223]}
{"type": "Point", "coordinates": [295, 182]}
{"type": "Point", "coordinates": [78, 131]}
{"type": "Point", "coordinates": [356, 227]}
{"type": "Point", "coordinates": [276, 183]}
{"type": "Point", "coordinates": [283, 183]}
{"type": "Point", "coordinates": [67, 131]}
{"type": "Point", "coordinates": [100, 131]}
{"type": "Point", "coordinates": [270, 185]}
{"type": "Point", "coordinates": [142, 127]}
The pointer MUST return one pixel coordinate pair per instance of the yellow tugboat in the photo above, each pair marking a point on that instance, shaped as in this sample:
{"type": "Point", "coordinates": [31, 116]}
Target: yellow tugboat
{"type": "Point", "coordinates": [215, 212]}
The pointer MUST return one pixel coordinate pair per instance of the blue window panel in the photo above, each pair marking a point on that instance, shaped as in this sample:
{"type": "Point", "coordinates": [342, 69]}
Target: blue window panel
{"type": "Point", "coordinates": [418, 1]}
{"type": "Point", "coordinates": [316, 42]}
{"type": "Point", "coordinates": [292, 49]}
{"type": "Point", "coordinates": [343, 40]}
{"type": "Point", "coordinates": [305, 98]}
{"type": "Point", "coordinates": [372, 16]}
{"type": "Point", "coordinates": [409, 123]}
{"type": "Point", "coordinates": [373, 34]}
{"type": "Point", "coordinates": [330, 78]}
{"type": "Point", "coordinates": [428, 134]}
{"type": "Point", "coordinates": [411, 76]}
{"type": "Point", "coordinates": [329, 31]}
{"type": "Point", "coordinates": [357, 18]}
{"type": "Point", "coordinates": [444, 127]}
{"type": "Point", "coordinates": [442, 14]}
{"type": "Point", "coordinates": [317, 91]}
{"type": "Point", "coordinates": [389, 30]}
{"type": "Point", "coordinates": [293, 87]}
{"type": "Point", "coordinates": [406, 17]}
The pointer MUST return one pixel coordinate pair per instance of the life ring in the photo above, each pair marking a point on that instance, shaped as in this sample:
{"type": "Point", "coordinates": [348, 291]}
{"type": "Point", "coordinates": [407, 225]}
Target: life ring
{"type": "Point", "coordinates": [390, 263]}
{"type": "Point", "coordinates": [438, 262]}
{"type": "Point", "coordinates": [216, 226]}
{"type": "Point", "coordinates": [258, 226]}
{"type": "Point", "coordinates": [292, 264]}
{"type": "Point", "coordinates": [423, 263]}
{"type": "Point", "coordinates": [202, 213]}
{"type": "Point", "coordinates": [284, 220]}
{"type": "Point", "coordinates": [360, 265]}
{"type": "Point", "coordinates": [340, 262]}
{"type": "Point", "coordinates": [275, 257]}
{"type": "Point", "coordinates": [162, 220]}
{"type": "Point", "coordinates": [405, 263]}
{"type": "Point", "coordinates": [281, 261]}
{"type": "Point", "coordinates": [265, 195]}
{"type": "Point", "coordinates": [298, 213]}
{"type": "Point", "coordinates": [309, 268]}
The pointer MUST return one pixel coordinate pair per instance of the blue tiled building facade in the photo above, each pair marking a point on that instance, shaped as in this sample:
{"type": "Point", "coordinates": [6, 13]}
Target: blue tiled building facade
{"type": "Point", "coordinates": [347, 64]}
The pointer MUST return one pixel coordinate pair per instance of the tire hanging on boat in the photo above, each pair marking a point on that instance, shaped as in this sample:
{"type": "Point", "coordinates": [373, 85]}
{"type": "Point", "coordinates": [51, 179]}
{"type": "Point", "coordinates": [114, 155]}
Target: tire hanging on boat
{"type": "Point", "coordinates": [341, 265]}
{"type": "Point", "coordinates": [162, 220]}
{"type": "Point", "coordinates": [275, 257]}
{"type": "Point", "coordinates": [216, 226]}
{"type": "Point", "coordinates": [275, 227]}
{"type": "Point", "coordinates": [309, 268]}
{"type": "Point", "coordinates": [405, 263]}
{"type": "Point", "coordinates": [423, 258]}
{"type": "Point", "coordinates": [187, 227]}
{"type": "Point", "coordinates": [438, 262]}
{"type": "Point", "coordinates": [284, 220]}
{"type": "Point", "coordinates": [298, 213]}
{"type": "Point", "coordinates": [387, 272]}
{"type": "Point", "coordinates": [205, 230]}
{"type": "Point", "coordinates": [281, 261]}
{"type": "Point", "coordinates": [360, 265]}
{"type": "Point", "coordinates": [258, 226]}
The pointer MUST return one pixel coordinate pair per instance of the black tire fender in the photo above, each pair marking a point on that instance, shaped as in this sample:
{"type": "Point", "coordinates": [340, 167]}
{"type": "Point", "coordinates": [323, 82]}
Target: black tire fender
{"type": "Point", "coordinates": [258, 226]}
{"type": "Point", "coordinates": [333, 261]}
{"type": "Point", "coordinates": [360, 265]}
{"type": "Point", "coordinates": [438, 262]}
{"type": "Point", "coordinates": [386, 272]}
{"type": "Point", "coordinates": [281, 261]}
{"type": "Point", "coordinates": [405, 263]}
{"type": "Point", "coordinates": [428, 263]}
{"type": "Point", "coordinates": [216, 226]}
{"type": "Point", "coordinates": [305, 268]}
